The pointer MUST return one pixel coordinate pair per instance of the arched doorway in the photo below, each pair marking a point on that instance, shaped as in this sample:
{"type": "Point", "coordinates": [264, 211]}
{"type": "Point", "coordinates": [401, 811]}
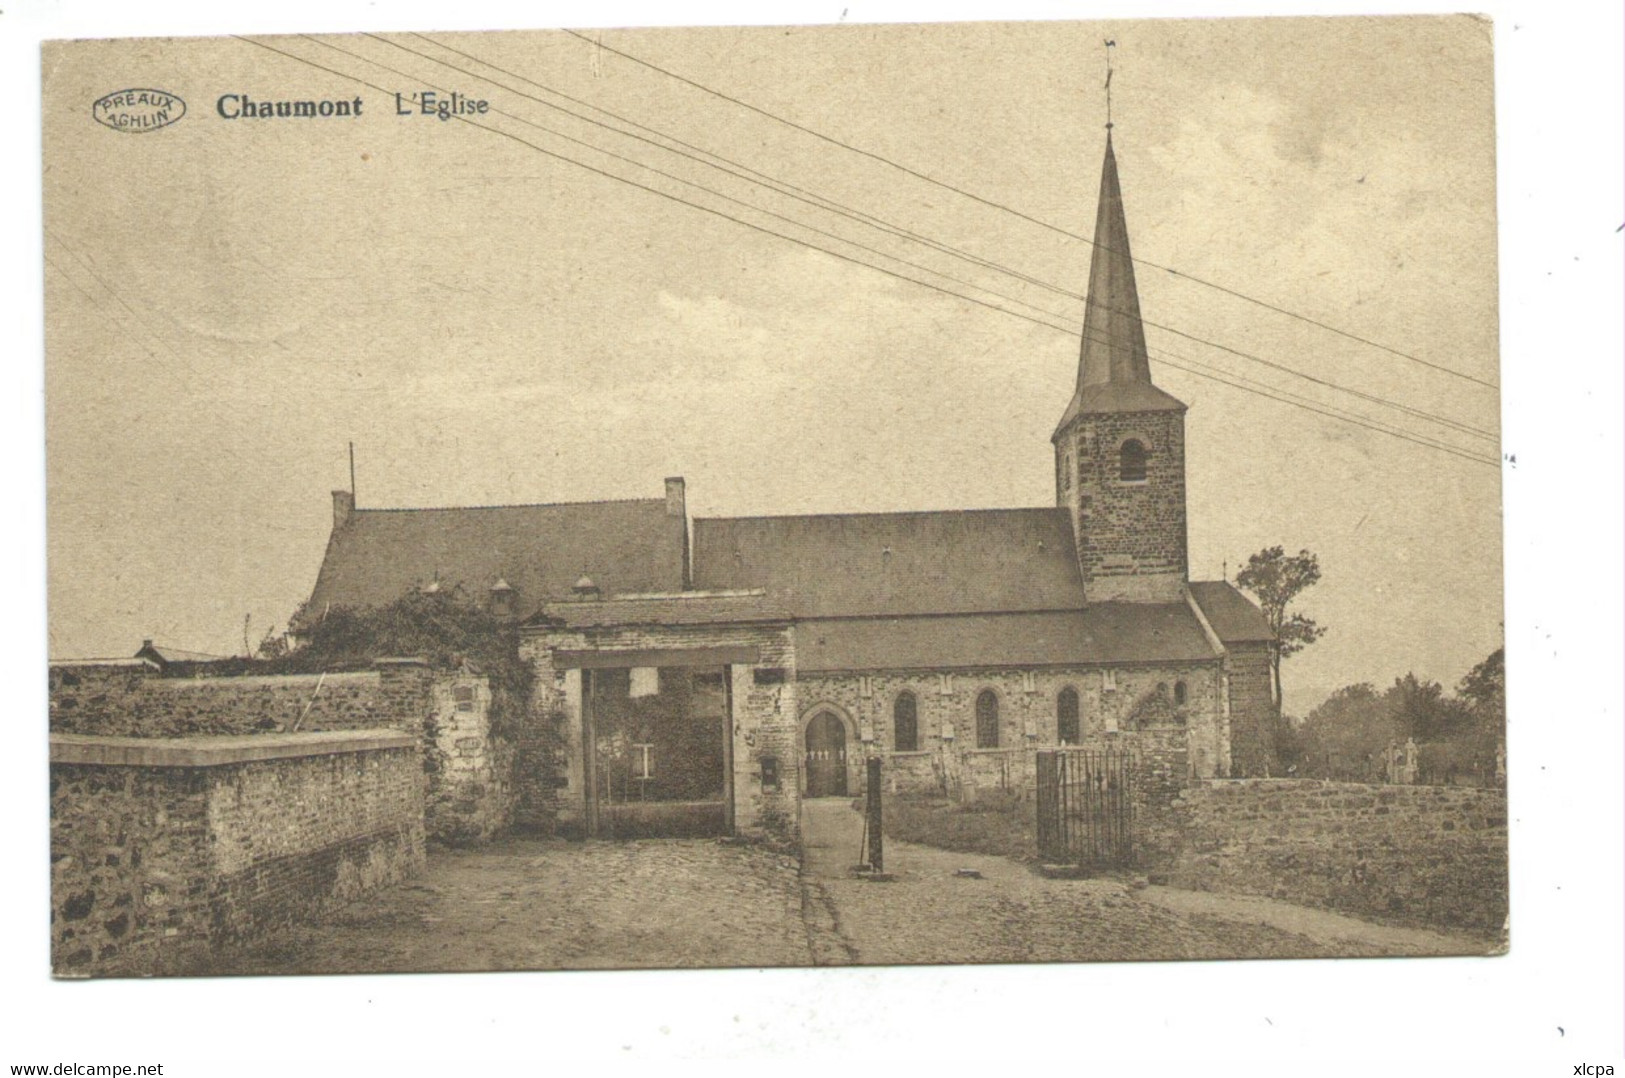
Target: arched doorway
{"type": "Point", "coordinates": [826, 756]}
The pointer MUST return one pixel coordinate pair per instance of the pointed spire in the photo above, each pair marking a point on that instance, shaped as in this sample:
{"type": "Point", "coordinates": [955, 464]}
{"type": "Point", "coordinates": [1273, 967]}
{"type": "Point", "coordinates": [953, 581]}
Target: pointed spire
{"type": "Point", "coordinates": [1114, 372]}
{"type": "Point", "coordinates": [1113, 336]}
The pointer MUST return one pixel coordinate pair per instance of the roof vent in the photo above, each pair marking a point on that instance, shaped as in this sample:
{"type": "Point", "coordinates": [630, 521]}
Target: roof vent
{"type": "Point", "coordinates": [586, 589]}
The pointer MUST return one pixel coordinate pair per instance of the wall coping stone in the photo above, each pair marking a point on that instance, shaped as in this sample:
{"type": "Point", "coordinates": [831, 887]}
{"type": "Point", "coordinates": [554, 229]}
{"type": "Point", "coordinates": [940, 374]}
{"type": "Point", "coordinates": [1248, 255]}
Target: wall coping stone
{"type": "Point", "coordinates": [137, 663]}
{"type": "Point", "coordinates": [336, 678]}
{"type": "Point", "coordinates": [412, 660]}
{"type": "Point", "coordinates": [217, 751]}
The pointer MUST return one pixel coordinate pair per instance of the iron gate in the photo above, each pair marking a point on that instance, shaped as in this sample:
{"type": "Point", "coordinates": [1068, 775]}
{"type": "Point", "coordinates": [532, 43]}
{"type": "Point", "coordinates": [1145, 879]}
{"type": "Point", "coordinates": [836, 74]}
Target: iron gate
{"type": "Point", "coordinates": [1086, 808]}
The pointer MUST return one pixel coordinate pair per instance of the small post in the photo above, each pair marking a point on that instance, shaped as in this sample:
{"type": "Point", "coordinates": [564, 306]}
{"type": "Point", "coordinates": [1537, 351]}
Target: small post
{"type": "Point", "coordinates": [352, 473]}
{"type": "Point", "coordinates": [1110, 45]}
{"type": "Point", "coordinates": [877, 857]}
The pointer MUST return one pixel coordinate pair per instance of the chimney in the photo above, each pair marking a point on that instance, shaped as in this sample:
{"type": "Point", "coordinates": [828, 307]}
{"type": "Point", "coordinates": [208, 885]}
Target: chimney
{"type": "Point", "coordinates": [343, 506]}
{"type": "Point", "coordinates": [677, 506]}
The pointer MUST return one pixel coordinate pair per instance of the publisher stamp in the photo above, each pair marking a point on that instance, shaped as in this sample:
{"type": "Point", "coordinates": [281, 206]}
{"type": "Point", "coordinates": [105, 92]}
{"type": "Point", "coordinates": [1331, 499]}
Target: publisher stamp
{"type": "Point", "coordinates": [138, 111]}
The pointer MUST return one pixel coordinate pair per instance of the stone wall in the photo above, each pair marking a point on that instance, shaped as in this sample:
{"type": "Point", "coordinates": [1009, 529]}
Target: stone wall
{"type": "Point", "coordinates": [470, 790]}
{"type": "Point", "coordinates": [947, 761]}
{"type": "Point", "coordinates": [163, 850]}
{"type": "Point", "coordinates": [1434, 855]}
{"type": "Point", "coordinates": [134, 701]}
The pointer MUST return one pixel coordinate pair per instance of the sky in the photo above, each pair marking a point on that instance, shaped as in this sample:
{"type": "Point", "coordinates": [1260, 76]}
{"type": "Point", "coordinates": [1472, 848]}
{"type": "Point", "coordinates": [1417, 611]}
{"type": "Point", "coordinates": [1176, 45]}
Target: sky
{"type": "Point", "coordinates": [230, 303]}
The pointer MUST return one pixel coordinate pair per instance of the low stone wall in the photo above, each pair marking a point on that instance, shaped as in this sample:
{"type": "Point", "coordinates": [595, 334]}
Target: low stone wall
{"type": "Point", "coordinates": [131, 700]}
{"type": "Point", "coordinates": [163, 850]}
{"type": "Point", "coordinates": [962, 774]}
{"type": "Point", "coordinates": [1433, 855]}
{"type": "Point", "coordinates": [470, 772]}
{"type": "Point", "coordinates": [992, 773]}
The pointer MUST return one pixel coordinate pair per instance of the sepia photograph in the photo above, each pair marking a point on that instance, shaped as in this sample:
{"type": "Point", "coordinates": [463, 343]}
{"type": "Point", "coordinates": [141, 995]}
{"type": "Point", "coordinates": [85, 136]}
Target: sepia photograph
{"type": "Point", "coordinates": [755, 497]}
{"type": "Point", "coordinates": [826, 535]}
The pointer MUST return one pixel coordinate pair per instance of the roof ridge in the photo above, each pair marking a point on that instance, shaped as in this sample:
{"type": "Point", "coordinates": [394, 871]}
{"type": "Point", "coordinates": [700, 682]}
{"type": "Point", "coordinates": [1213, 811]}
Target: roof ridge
{"type": "Point", "coordinates": [664, 596]}
{"type": "Point", "coordinates": [533, 504]}
{"type": "Point", "coordinates": [894, 513]}
{"type": "Point", "coordinates": [1086, 608]}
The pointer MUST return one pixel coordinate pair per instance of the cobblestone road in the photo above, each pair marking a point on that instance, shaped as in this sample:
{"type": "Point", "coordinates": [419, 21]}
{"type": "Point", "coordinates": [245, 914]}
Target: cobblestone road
{"type": "Point", "coordinates": [560, 905]}
{"type": "Point", "coordinates": [549, 904]}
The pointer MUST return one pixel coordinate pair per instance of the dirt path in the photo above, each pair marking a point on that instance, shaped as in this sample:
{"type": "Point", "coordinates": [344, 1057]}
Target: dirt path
{"type": "Point", "coordinates": [559, 905]}
{"type": "Point", "coordinates": [672, 903]}
{"type": "Point", "coordinates": [958, 907]}
{"type": "Point", "coordinates": [1324, 927]}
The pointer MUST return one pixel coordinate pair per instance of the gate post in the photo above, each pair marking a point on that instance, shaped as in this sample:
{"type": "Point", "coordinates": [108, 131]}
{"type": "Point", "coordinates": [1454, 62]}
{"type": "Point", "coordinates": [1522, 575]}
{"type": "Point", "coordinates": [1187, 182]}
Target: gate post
{"type": "Point", "coordinates": [877, 860]}
{"type": "Point", "coordinates": [1048, 804]}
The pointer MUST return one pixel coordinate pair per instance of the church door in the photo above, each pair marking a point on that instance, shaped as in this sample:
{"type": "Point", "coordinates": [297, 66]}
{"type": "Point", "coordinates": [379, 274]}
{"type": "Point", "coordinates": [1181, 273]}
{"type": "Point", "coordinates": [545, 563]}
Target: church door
{"type": "Point", "coordinates": [826, 756]}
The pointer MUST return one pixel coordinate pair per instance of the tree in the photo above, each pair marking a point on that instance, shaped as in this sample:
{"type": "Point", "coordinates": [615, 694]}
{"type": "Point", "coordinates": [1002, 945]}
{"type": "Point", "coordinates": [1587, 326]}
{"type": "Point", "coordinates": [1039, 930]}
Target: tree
{"type": "Point", "coordinates": [1422, 711]}
{"type": "Point", "coordinates": [1484, 690]}
{"type": "Point", "coordinates": [1483, 695]}
{"type": "Point", "coordinates": [1345, 735]}
{"type": "Point", "coordinates": [1275, 580]}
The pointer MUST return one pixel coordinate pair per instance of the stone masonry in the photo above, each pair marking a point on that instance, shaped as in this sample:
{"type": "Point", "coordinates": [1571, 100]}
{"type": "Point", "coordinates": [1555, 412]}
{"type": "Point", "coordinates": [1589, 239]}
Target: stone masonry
{"type": "Point", "coordinates": [1131, 534]}
{"type": "Point", "coordinates": [132, 700]}
{"type": "Point", "coordinates": [469, 771]}
{"type": "Point", "coordinates": [947, 760]}
{"type": "Point", "coordinates": [471, 792]}
{"type": "Point", "coordinates": [1433, 855]}
{"type": "Point", "coordinates": [165, 849]}
{"type": "Point", "coordinates": [1252, 710]}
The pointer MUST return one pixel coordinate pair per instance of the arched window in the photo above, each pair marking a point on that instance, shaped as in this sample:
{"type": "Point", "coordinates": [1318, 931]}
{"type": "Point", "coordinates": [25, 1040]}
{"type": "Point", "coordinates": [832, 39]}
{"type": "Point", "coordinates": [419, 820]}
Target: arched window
{"type": "Point", "coordinates": [1179, 693]}
{"type": "Point", "coordinates": [987, 719]}
{"type": "Point", "coordinates": [905, 723]}
{"type": "Point", "coordinates": [1132, 458]}
{"type": "Point", "coordinates": [1066, 717]}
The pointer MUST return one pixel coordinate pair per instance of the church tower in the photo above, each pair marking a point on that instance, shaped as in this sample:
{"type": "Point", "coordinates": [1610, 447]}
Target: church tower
{"type": "Point", "coordinates": [1120, 446]}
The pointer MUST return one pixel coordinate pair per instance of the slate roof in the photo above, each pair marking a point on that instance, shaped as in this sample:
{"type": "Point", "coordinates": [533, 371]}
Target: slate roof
{"type": "Point", "coordinates": [1114, 373]}
{"type": "Point", "coordinates": [1235, 618]}
{"type": "Point", "coordinates": [165, 654]}
{"type": "Point", "coordinates": [865, 564]}
{"type": "Point", "coordinates": [690, 608]}
{"type": "Point", "coordinates": [1114, 633]}
{"type": "Point", "coordinates": [378, 555]}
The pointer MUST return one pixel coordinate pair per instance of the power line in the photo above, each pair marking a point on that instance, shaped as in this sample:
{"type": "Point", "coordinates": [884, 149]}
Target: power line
{"type": "Point", "coordinates": [1464, 427]}
{"type": "Point", "coordinates": [1263, 389]}
{"type": "Point", "coordinates": [679, 179]}
{"type": "Point", "coordinates": [733, 168]}
{"type": "Point", "coordinates": [1420, 413]}
{"type": "Point", "coordinates": [1024, 216]}
{"type": "Point", "coordinates": [652, 190]}
{"type": "Point", "coordinates": [835, 254]}
{"type": "Point", "coordinates": [1330, 411]}
{"type": "Point", "coordinates": [111, 291]}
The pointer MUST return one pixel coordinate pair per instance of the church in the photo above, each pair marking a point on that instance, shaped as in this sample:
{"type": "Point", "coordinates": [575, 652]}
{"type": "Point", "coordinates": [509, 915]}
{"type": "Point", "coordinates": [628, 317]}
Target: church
{"type": "Point", "coordinates": [707, 674]}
